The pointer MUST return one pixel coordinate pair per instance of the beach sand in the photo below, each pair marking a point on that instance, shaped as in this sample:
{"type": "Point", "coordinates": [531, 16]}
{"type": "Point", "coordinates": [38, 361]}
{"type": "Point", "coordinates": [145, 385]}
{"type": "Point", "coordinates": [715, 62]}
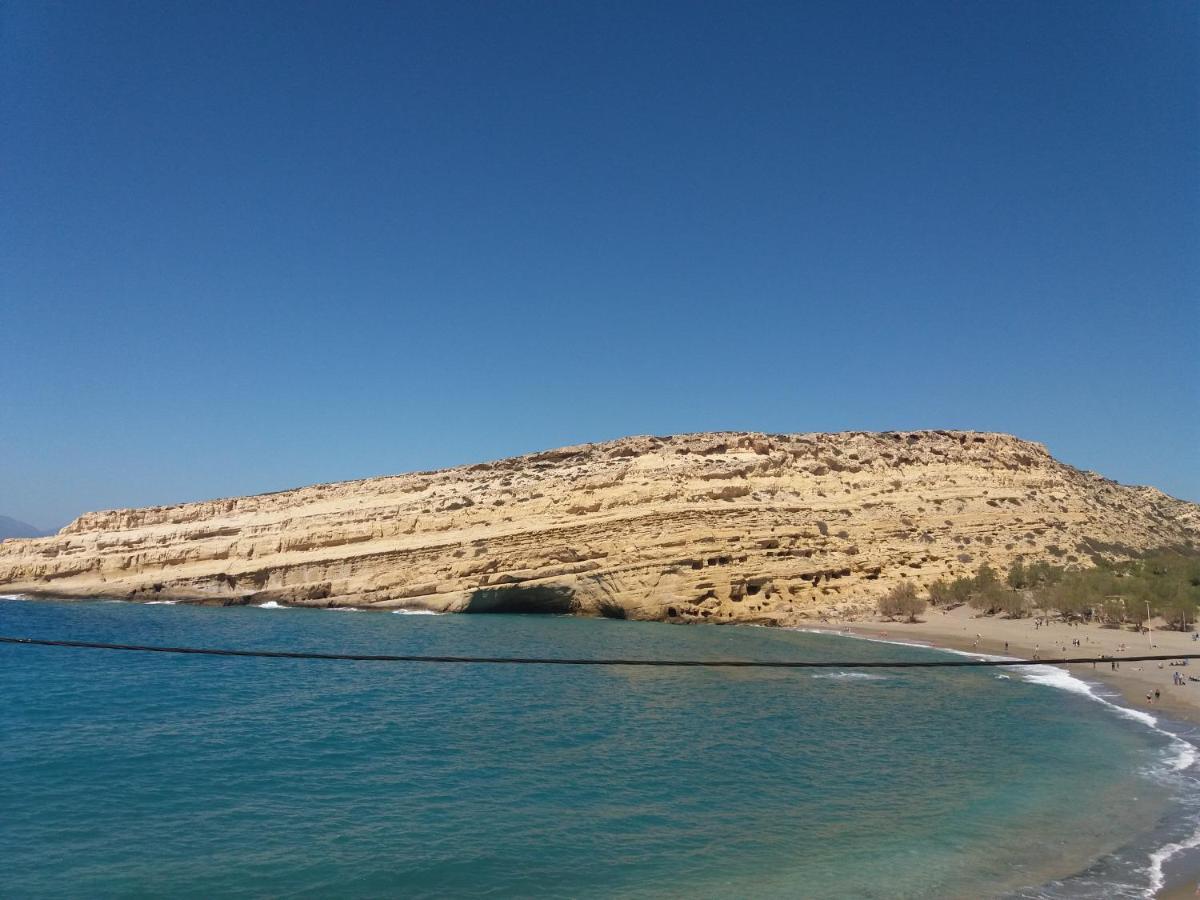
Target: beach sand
{"type": "Point", "coordinates": [963, 629]}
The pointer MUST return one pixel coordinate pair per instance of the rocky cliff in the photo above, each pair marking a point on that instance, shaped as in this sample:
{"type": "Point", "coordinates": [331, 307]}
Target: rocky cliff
{"type": "Point", "coordinates": [720, 527]}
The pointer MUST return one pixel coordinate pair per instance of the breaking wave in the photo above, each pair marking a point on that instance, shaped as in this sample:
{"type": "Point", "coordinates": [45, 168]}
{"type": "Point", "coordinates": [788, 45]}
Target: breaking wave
{"type": "Point", "coordinates": [1173, 767]}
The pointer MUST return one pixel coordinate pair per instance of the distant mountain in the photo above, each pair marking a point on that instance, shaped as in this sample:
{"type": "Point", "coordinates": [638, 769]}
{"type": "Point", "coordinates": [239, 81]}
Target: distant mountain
{"type": "Point", "coordinates": [11, 528]}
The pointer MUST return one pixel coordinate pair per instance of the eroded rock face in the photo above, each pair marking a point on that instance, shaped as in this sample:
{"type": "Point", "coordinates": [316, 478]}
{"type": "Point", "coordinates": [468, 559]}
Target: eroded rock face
{"type": "Point", "coordinates": [720, 527]}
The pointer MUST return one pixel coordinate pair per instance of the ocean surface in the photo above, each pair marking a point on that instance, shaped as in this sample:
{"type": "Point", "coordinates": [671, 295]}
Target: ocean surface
{"type": "Point", "coordinates": [128, 774]}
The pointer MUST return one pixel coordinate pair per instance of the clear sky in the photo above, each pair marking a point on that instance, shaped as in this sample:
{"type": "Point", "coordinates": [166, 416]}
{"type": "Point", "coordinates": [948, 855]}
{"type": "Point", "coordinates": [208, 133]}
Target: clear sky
{"type": "Point", "coordinates": [247, 246]}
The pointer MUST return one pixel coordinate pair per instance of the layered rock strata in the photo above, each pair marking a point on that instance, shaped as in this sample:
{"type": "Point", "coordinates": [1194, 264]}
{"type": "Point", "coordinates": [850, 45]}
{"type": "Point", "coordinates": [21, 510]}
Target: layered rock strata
{"type": "Point", "coordinates": [720, 527]}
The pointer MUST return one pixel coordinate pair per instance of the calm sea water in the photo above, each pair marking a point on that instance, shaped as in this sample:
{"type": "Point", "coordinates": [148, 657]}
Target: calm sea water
{"type": "Point", "coordinates": [137, 774]}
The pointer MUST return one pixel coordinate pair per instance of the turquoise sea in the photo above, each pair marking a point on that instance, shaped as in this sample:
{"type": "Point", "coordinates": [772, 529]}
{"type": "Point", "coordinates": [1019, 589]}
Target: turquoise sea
{"type": "Point", "coordinates": [128, 775]}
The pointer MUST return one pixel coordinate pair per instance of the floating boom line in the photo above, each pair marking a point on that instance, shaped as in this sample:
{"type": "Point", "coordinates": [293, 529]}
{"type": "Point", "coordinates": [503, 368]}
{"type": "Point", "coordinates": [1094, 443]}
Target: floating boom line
{"type": "Point", "coordinates": [556, 661]}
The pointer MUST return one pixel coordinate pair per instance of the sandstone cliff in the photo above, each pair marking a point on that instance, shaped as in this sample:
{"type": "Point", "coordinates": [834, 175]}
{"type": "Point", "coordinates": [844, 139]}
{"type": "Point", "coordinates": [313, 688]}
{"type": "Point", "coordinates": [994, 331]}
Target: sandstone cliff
{"type": "Point", "coordinates": [720, 527]}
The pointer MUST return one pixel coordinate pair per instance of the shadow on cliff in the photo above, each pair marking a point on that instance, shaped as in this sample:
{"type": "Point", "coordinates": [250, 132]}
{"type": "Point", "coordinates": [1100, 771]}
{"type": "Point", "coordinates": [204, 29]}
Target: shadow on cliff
{"type": "Point", "coordinates": [546, 599]}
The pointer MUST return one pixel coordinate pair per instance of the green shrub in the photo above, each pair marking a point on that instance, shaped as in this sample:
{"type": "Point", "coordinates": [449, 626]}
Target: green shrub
{"type": "Point", "coordinates": [1017, 578]}
{"type": "Point", "coordinates": [1042, 574]}
{"type": "Point", "coordinates": [960, 589]}
{"type": "Point", "coordinates": [902, 600]}
{"type": "Point", "coordinates": [1013, 603]}
{"type": "Point", "coordinates": [1166, 582]}
{"type": "Point", "coordinates": [940, 593]}
{"type": "Point", "coordinates": [985, 578]}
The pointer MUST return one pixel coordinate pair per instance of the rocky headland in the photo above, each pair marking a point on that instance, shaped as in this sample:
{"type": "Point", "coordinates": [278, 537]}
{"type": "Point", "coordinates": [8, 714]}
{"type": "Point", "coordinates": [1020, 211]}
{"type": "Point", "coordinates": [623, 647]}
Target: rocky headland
{"type": "Point", "coordinates": [725, 527]}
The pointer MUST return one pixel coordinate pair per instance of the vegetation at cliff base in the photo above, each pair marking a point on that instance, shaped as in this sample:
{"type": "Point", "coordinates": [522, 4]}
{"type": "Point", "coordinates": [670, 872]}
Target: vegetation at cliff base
{"type": "Point", "coordinates": [902, 600]}
{"type": "Point", "coordinates": [1164, 584]}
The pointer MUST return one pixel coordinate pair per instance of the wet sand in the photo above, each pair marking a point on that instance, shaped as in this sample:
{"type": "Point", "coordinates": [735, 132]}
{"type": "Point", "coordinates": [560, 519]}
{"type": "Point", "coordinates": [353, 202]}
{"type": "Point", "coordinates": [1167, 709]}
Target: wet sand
{"type": "Point", "coordinates": [961, 629]}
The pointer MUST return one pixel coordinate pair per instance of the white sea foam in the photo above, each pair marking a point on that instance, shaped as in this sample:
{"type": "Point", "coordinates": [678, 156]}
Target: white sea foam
{"type": "Point", "coordinates": [13, 597]}
{"type": "Point", "coordinates": [1034, 673]}
{"type": "Point", "coordinates": [1159, 857]}
{"type": "Point", "coordinates": [1183, 755]}
{"type": "Point", "coordinates": [1179, 755]}
{"type": "Point", "coordinates": [345, 609]}
{"type": "Point", "coordinates": [271, 604]}
{"type": "Point", "coordinates": [416, 612]}
{"type": "Point", "coordinates": [847, 676]}
{"type": "Point", "coordinates": [161, 602]}
{"type": "Point", "coordinates": [1052, 676]}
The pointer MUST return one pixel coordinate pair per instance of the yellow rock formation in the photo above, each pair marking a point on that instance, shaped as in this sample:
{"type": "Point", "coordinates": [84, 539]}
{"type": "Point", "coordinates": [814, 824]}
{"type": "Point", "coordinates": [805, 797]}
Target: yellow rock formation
{"type": "Point", "coordinates": [720, 527]}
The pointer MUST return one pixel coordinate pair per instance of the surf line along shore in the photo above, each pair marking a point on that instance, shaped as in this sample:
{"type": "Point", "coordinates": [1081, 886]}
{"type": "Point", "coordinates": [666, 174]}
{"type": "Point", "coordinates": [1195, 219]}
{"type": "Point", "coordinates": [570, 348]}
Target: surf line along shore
{"type": "Point", "coordinates": [961, 629]}
{"type": "Point", "coordinates": [964, 631]}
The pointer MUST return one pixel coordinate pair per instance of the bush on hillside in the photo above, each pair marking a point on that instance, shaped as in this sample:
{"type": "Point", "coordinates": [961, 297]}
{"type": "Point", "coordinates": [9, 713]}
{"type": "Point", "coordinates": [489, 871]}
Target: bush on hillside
{"type": "Point", "coordinates": [960, 589]}
{"type": "Point", "coordinates": [940, 593]}
{"type": "Point", "coordinates": [1168, 583]}
{"type": "Point", "coordinates": [902, 600]}
{"type": "Point", "coordinates": [1017, 578]}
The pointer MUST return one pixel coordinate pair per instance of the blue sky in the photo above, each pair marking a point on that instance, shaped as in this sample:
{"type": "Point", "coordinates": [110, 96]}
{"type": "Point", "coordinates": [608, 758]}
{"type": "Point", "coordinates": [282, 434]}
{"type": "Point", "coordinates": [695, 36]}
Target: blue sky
{"type": "Point", "coordinates": [248, 246]}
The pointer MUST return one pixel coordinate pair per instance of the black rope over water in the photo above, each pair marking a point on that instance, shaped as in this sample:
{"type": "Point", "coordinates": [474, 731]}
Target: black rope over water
{"type": "Point", "coordinates": [551, 661]}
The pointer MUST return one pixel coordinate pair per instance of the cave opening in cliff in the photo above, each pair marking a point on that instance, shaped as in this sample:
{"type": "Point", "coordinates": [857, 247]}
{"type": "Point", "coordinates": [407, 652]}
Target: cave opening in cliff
{"type": "Point", "coordinates": [539, 599]}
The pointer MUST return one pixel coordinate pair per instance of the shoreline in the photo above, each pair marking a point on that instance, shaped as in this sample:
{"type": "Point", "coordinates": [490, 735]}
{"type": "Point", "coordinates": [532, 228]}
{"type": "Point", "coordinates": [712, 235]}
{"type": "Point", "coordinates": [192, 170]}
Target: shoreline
{"type": "Point", "coordinates": [961, 630]}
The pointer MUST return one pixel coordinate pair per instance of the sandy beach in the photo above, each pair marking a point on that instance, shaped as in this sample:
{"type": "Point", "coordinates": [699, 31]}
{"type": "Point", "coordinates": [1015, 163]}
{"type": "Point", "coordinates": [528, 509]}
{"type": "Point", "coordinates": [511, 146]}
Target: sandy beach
{"type": "Point", "coordinates": [963, 629]}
